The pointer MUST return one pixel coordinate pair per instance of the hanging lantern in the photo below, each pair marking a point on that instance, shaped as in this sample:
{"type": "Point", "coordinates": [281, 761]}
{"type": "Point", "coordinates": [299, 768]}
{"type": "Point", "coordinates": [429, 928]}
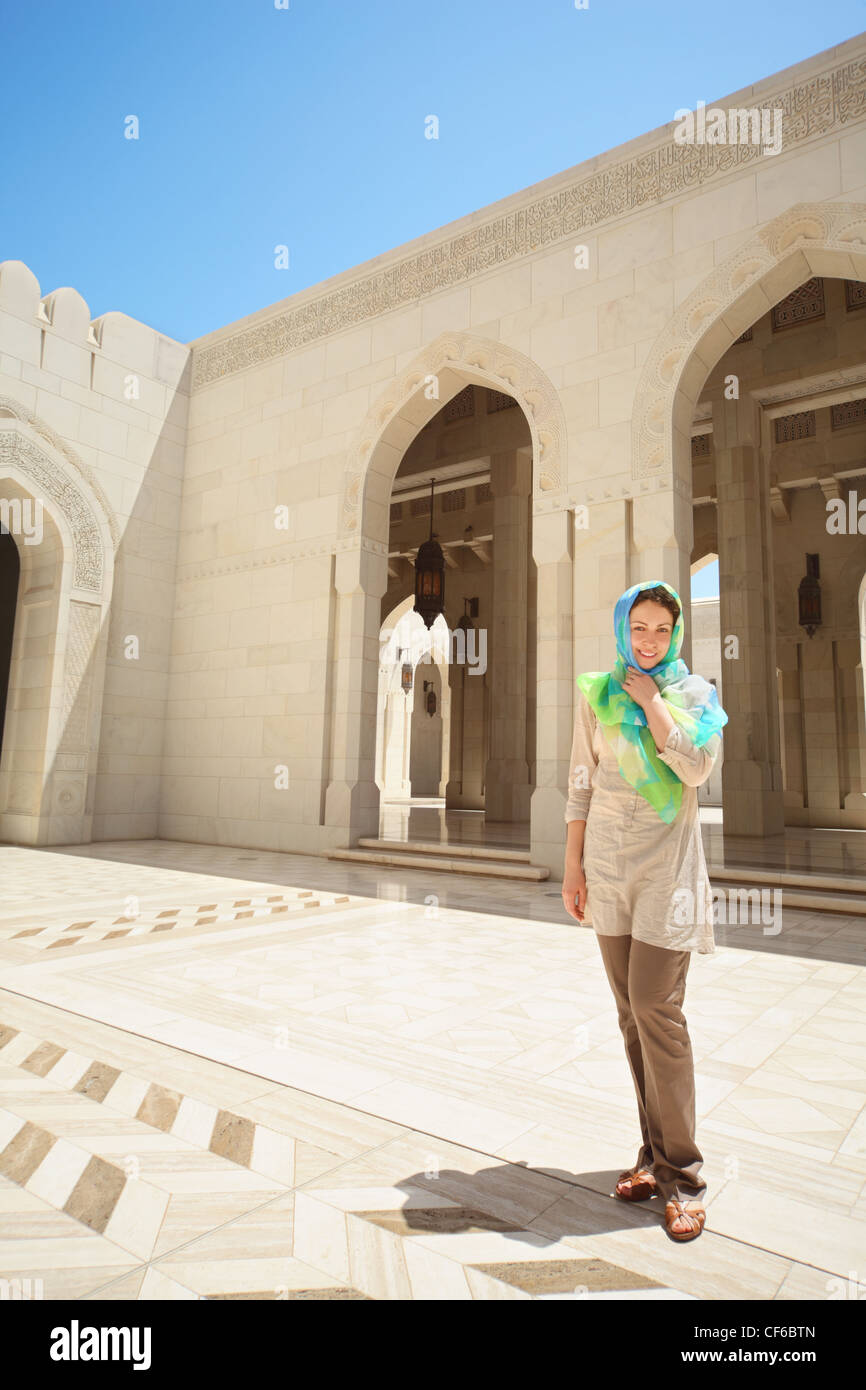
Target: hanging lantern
{"type": "Point", "coordinates": [406, 677]}
{"type": "Point", "coordinates": [430, 576]}
{"type": "Point", "coordinates": [431, 702]}
{"type": "Point", "coordinates": [809, 596]}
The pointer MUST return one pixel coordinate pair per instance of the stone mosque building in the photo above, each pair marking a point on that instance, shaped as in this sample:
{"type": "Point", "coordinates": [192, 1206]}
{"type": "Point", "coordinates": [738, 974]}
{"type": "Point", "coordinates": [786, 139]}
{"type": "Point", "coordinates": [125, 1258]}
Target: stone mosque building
{"type": "Point", "coordinates": [656, 358]}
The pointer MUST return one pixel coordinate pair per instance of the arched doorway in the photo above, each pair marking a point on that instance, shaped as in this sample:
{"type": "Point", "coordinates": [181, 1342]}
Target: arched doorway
{"type": "Point", "coordinates": [522, 480]}
{"type": "Point", "coordinates": [55, 682]}
{"type": "Point", "coordinates": [699, 383]}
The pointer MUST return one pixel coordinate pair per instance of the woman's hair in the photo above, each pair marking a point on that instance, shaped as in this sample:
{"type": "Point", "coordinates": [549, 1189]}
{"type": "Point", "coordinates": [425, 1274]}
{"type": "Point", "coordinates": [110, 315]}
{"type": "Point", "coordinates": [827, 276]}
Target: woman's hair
{"type": "Point", "coordinates": [659, 595]}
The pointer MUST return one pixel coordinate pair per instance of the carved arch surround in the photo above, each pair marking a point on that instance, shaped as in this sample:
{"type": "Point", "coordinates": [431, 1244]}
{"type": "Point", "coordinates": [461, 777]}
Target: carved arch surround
{"type": "Point", "coordinates": [724, 305]}
{"type": "Point", "coordinates": [66, 484]}
{"type": "Point", "coordinates": [49, 761]}
{"type": "Point", "coordinates": [475, 359]}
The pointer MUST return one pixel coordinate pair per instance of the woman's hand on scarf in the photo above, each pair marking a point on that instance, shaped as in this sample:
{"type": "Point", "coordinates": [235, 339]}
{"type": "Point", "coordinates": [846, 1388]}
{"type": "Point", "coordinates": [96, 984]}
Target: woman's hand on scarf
{"type": "Point", "coordinates": [641, 687]}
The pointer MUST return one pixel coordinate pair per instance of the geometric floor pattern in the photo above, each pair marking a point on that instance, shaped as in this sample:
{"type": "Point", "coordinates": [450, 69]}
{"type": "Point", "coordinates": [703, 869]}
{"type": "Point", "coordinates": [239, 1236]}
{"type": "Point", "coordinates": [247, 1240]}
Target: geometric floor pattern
{"type": "Point", "coordinates": [391, 1089]}
{"type": "Point", "coordinates": [130, 1178]}
{"type": "Point", "coordinates": [107, 928]}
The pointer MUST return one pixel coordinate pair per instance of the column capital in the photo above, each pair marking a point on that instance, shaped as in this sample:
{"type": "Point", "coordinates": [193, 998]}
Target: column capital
{"type": "Point", "coordinates": [735, 422]}
{"type": "Point", "coordinates": [511, 474]}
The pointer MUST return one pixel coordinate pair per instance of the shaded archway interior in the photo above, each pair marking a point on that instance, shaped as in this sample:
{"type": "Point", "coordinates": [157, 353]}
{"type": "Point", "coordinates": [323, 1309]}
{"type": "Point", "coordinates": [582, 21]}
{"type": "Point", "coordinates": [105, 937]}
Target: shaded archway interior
{"type": "Point", "coordinates": [778, 438]}
{"type": "Point", "coordinates": [478, 448]}
{"type": "Point", "coordinates": [10, 573]}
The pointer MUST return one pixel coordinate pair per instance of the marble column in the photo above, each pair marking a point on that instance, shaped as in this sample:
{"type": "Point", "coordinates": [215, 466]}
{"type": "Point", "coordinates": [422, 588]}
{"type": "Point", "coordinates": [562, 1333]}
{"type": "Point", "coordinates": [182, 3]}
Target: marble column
{"type": "Point", "coordinates": [395, 777]}
{"type": "Point", "coordinates": [467, 699]}
{"type": "Point", "coordinates": [661, 532]}
{"type": "Point", "coordinates": [352, 797]}
{"type": "Point", "coordinates": [752, 798]}
{"type": "Point", "coordinates": [552, 548]}
{"type": "Point", "coordinates": [507, 786]}
{"type": "Point", "coordinates": [855, 801]}
{"type": "Point", "coordinates": [457, 681]}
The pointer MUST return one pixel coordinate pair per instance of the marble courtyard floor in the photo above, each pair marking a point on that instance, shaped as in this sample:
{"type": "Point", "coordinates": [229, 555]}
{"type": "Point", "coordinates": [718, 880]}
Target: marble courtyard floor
{"type": "Point", "coordinates": [286, 1077]}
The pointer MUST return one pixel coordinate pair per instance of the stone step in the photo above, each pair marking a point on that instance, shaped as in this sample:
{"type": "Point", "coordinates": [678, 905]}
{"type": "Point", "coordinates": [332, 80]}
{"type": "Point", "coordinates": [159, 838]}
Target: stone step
{"type": "Point", "coordinates": [406, 857]}
{"type": "Point", "coordinates": [848, 903]}
{"type": "Point", "coordinates": [818, 892]}
{"type": "Point", "coordinates": [416, 854]}
{"type": "Point", "coordinates": [744, 873]}
{"type": "Point", "coordinates": [497, 853]}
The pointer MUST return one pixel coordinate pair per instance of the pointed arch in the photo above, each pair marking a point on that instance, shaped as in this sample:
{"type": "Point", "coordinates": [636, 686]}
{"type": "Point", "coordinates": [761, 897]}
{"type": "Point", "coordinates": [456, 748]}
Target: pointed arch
{"type": "Point", "coordinates": [433, 377]}
{"type": "Point", "coordinates": [56, 470]}
{"type": "Point", "coordinates": [451, 362]}
{"type": "Point", "coordinates": [810, 239]}
{"type": "Point", "coordinates": [49, 754]}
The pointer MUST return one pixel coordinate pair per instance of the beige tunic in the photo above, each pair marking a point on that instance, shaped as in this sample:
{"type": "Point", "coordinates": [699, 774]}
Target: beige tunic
{"type": "Point", "coordinates": [634, 863]}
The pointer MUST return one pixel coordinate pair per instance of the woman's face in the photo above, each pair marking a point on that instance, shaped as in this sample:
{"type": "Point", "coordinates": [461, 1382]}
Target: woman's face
{"type": "Point", "coordinates": [651, 628]}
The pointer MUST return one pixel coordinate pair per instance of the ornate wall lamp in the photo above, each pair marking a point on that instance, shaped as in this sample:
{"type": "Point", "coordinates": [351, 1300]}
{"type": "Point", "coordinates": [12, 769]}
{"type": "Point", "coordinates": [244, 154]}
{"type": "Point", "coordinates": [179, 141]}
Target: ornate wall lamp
{"type": "Point", "coordinates": [809, 596]}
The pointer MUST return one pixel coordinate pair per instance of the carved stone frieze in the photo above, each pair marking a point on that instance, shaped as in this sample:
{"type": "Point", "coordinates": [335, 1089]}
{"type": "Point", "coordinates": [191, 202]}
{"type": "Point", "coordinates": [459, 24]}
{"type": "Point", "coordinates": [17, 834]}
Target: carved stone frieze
{"type": "Point", "coordinates": [16, 449]}
{"type": "Point", "coordinates": [826, 102]}
{"type": "Point", "coordinates": [10, 406]}
{"type": "Point", "coordinates": [81, 639]}
{"type": "Point", "coordinates": [847, 378]}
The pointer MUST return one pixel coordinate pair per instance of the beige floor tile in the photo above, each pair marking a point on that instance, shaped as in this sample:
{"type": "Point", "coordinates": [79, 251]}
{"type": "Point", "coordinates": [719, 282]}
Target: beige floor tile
{"type": "Point", "coordinates": [488, 1042]}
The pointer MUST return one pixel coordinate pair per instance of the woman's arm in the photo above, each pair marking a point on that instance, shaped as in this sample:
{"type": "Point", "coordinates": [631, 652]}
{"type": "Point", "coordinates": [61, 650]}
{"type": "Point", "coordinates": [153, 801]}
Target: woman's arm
{"type": "Point", "coordinates": [581, 767]}
{"type": "Point", "coordinates": [575, 831]}
{"type": "Point", "coordinates": [574, 890]}
{"type": "Point", "coordinates": [691, 764]}
{"type": "Point", "coordinates": [659, 719]}
{"type": "Point", "coordinates": [582, 764]}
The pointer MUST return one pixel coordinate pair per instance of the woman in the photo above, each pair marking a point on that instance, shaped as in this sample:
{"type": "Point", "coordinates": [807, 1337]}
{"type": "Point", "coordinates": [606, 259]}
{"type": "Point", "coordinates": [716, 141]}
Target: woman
{"type": "Point", "coordinates": [646, 734]}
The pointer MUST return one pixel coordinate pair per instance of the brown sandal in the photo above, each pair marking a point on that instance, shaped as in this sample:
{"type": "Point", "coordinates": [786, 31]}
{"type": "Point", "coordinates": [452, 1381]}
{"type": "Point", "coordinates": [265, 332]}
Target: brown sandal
{"type": "Point", "coordinates": [641, 1185]}
{"type": "Point", "coordinates": [696, 1217]}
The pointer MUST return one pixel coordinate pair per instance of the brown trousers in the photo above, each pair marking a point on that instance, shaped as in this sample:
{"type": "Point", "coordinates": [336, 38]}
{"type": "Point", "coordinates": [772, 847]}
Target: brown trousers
{"type": "Point", "coordinates": [649, 983]}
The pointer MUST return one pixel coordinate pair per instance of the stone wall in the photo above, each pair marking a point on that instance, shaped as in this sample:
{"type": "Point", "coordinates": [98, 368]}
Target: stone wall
{"type": "Point", "coordinates": [312, 404]}
{"type": "Point", "coordinates": [93, 420]}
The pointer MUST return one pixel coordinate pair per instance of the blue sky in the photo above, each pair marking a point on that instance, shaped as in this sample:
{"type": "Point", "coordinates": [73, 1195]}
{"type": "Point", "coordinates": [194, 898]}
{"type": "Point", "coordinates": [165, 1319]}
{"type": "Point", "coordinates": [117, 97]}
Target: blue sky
{"type": "Point", "coordinates": [305, 126]}
{"type": "Point", "coordinates": [705, 584]}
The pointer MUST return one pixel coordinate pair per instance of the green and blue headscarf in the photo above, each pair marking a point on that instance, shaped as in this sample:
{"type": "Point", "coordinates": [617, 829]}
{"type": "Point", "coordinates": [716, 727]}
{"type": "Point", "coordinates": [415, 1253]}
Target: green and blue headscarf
{"type": "Point", "coordinates": [691, 700]}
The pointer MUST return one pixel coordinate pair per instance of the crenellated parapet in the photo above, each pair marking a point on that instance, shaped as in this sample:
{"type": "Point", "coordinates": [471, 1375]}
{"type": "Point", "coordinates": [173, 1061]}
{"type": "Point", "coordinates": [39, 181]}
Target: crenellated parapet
{"type": "Point", "coordinates": [56, 332]}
